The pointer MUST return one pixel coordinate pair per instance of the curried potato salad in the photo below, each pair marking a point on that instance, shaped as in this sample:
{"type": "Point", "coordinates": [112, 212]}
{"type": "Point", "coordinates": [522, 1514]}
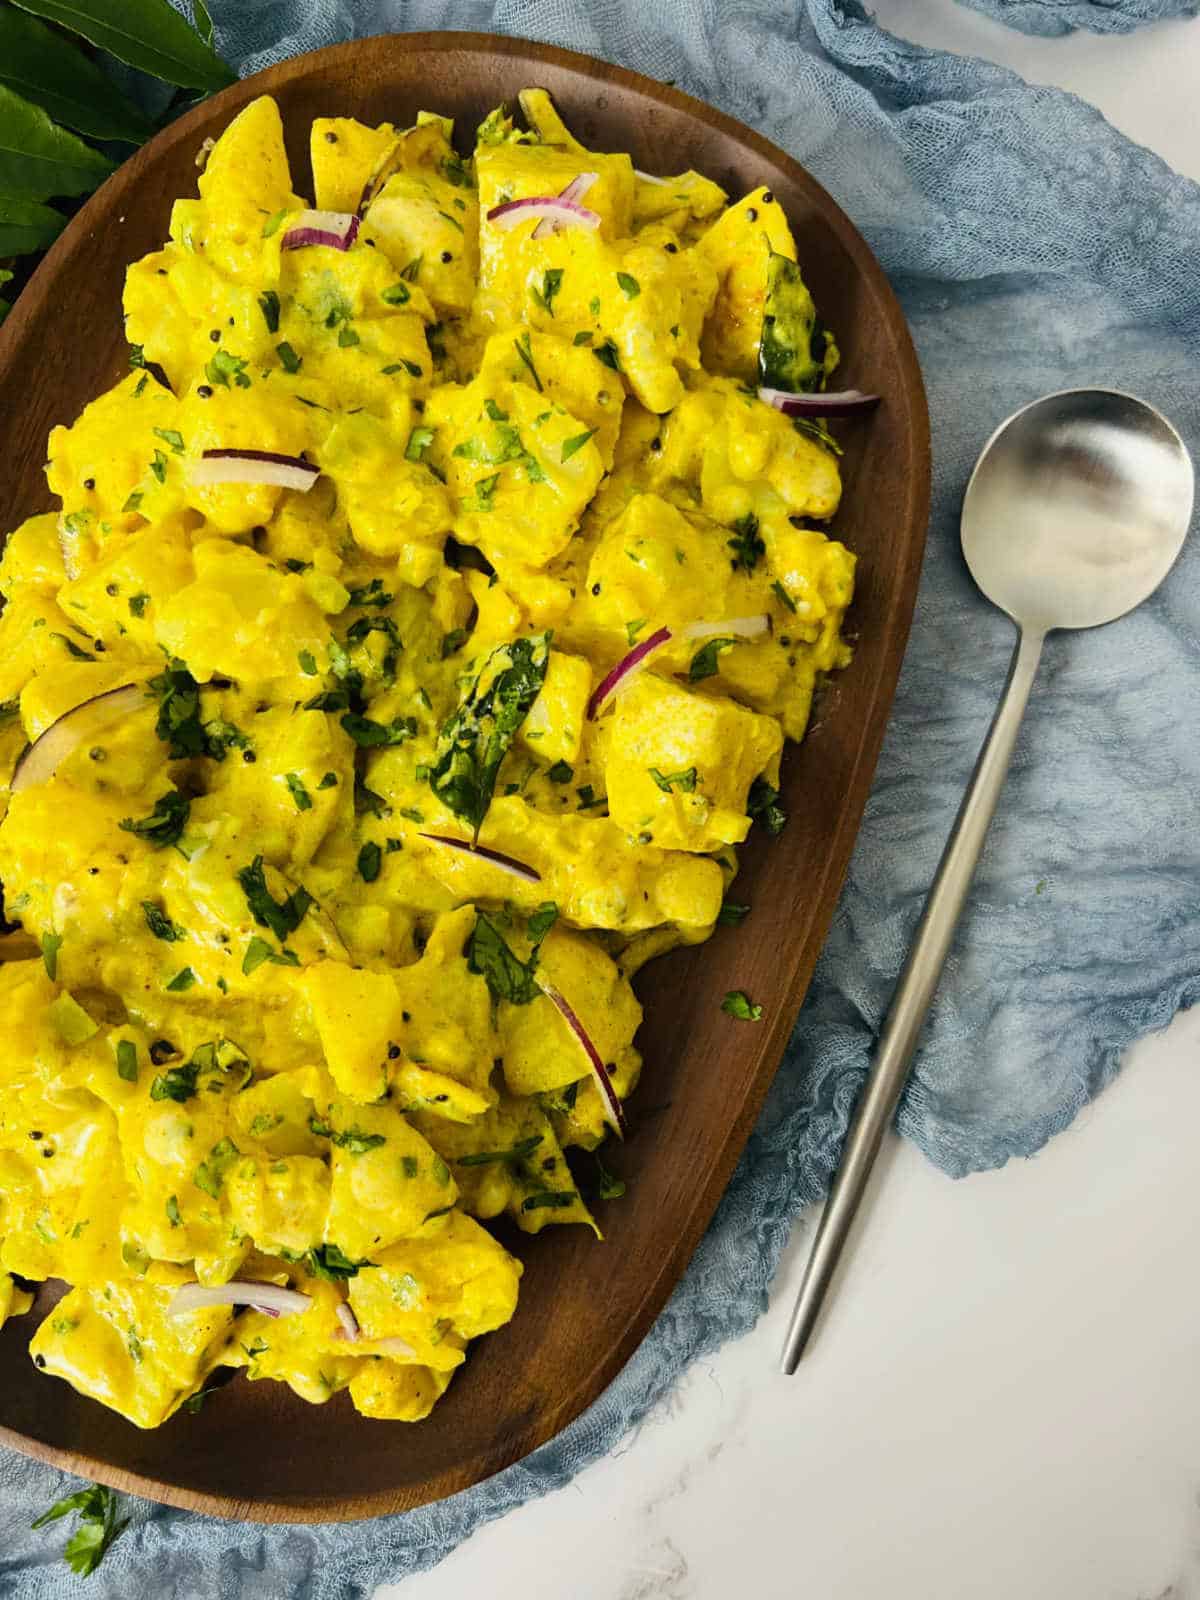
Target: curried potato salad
{"type": "Point", "coordinates": [418, 635]}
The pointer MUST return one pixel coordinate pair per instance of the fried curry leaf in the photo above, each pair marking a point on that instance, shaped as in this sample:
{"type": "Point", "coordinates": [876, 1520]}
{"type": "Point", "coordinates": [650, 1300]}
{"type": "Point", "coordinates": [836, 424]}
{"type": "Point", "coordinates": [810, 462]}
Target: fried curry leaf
{"type": "Point", "coordinates": [477, 737]}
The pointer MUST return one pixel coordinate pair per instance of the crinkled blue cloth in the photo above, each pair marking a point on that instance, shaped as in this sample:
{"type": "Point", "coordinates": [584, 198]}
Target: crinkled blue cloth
{"type": "Point", "coordinates": [1034, 249]}
{"type": "Point", "coordinates": [1053, 17]}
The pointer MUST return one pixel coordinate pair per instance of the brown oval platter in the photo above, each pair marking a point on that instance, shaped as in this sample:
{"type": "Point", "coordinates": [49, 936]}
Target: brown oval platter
{"type": "Point", "coordinates": [262, 1454]}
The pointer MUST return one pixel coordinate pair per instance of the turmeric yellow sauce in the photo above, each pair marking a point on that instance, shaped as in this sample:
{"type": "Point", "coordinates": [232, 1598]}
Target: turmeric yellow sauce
{"type": "Point", "coordinates": [423, 621]}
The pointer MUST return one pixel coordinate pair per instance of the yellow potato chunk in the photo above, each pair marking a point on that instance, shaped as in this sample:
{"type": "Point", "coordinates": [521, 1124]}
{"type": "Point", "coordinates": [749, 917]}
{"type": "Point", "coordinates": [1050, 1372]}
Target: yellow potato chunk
{"type": "Point", "coordinates": [119, 1345]}
{"type": "Point", "coordinates": [680, 764]}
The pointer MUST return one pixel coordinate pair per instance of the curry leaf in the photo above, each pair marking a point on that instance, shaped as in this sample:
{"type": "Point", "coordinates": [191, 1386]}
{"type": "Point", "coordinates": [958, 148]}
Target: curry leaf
{"type": "Point", "coordinates": [41, 65]}
{"type": "Point", "coordinates": [25, 225]}
{"type": "Point", "coordinates": [147, 34]}
{"type": "Point", "coordinates": [38, 158]}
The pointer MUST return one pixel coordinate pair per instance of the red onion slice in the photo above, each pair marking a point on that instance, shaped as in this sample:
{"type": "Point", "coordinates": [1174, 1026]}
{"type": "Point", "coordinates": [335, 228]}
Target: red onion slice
{"type": "Point", "coordinates": [497, 858]}
{"type": "Point", "coordinates": [39, 761]}
{"type": "Point", "coordinates": [647, 177]}
{"type": "Point", "coordinates": [348, 1322]}
{"type": "Point", "coordinates": [255, 466]}
{"type": "Point", "coordinates": [338, 229]}
{"type": "Point", "coordinates": [629, 664]}
{"type": "Point", "coordinates": [844, 403]}
{"type": "Point", "coordinates": [613, 1114]}
{"type": "Point", "coordinates": [573, 193]}
{"type": "Point", "coordinates": [740, 627]}
{"type": "Point", "coordinates": [266, 1297]}
{"type": "Point", "coordinates": [553, 210]}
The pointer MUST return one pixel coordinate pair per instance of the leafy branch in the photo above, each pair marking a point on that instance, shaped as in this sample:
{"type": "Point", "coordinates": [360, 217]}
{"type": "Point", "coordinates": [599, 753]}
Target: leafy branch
{"type": "Point", "coordinates": [58, 104]}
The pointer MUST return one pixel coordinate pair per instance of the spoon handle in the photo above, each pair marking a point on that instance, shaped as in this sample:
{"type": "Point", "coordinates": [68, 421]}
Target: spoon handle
{"type": "Point", "coordinates": [913, 995]}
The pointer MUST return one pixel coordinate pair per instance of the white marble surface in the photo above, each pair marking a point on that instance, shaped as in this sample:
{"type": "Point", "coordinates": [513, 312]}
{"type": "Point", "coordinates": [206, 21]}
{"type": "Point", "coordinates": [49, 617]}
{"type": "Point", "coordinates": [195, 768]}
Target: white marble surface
{"type": "Point", "coordinates": [1003, 1403]}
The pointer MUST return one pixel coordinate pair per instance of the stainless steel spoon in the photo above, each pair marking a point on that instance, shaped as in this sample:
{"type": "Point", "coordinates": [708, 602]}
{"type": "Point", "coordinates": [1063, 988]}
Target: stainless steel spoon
{"type": "Point", "coordinates": [1076, 510]}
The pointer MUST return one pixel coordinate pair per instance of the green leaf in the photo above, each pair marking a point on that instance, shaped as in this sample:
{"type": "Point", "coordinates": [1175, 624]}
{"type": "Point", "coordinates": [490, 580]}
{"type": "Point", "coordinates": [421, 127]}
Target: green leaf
{"type": "Point", "coordinates": [747, 544]}
{"type": "Point", "coordinates": [97, 1528]}
{"type": "Point", "coordinates": [667, 781]}
{"type": "Point", "coordinates": [732, 915]}
{"type": "Point", "coordinates": [146, 34]}
{"type": "Point", "coordinates": [166, 822]}
{"type": "Point", "coordinates": [38, 158]}
{"type": "Point", "coordinates": [352, 1139]}
{"type": "Point", "coordinates": [630, 287]}
{"type": "Point", "coordinates": [477, 737]}
{"type": "Point", "coordinates": [25, 225]}
{"type": "Point", "coordinates": [576, 442]}
{"type": "Point", "coordinates": [705, 662]}
{"type": "Point", "coordinates": [370, 858]}
{"type": "Point", "coordinates": [297, 791]}
{"type": "Point", "coordinates": [330, 1261]}
{"type": "Point", "coordinates": [38, 63]}
{"type": "Point", "coordinates": [551, 284]}
{"type": "Point", "coordinates": [202, 21]}
{"type": "Point", "coordinates": [762, 804]}
{"type": "Point", "coordinates": [737, 1003]}
{"type": "Point", "coordinates": [183, 980]}
{"type": "Point", "coordinates": [522, 347]}
{"type": "Point", "coordinates": [160, 924]}
{"type": "Point", "coordinates": [281, 918]}
{"type": "Point", "coordinates": [127, 1064]}
{"type": "Point", "coordinates": [51, 945]}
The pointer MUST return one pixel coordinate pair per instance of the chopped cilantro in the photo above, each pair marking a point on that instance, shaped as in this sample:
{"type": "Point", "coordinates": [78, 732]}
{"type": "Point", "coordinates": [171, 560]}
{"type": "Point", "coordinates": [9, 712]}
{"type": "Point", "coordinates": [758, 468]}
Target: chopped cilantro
{"type": "Point", "coordinates": [127, 1064]}
{"type": "Point", "coordinates": [98, 1526]}
{"type": "Point", "coordinates": [160, 924]}
{"type": "Point", "coordinates": [607, 352]}
{"type": "Point", "coordinates": [281, 917]}
{"type": "Point", "coordinates": [369, 859]}
{"type": "Point", "coordinates": [51, 945]}
{"type": "Point", "coordinates": [297, 791]}
{"type": "Point", "coordinates": [732, 915]}
{"type": "Point", "coordinates": [560, 772]}
{"type": "Point", "coordinates": [737, 1003]}
{"type": "Point", "coordinates": [268, 304]}
{"type": "Point", "coordinates": [747, 546]}
{"type": "Point", "coordinates": [783, 596]}
{"type": "Point", "coordinates": [274, 223]}
{"type": "Point", "coordinates": [574, 443]}
{"type": "Point", "coordinates": [183, 980]}
{"type": "Point", "coordinates": [399, 294]}
{"type": "Point", "coordinates": [667, 781]}
{"type": "Point", "coordinates": [630, 287]}
{"type": "Point", "coordinates": [225, 367]}
{"type": "Point", "coordinates": [308, 663]}
{"type": "Point", "coordinates": [551, 284]}
{"type": "Point", "coordinates": [522, 347]}
{"type": "Point", "coordinates": [290, 361]}
{"type": "Point", "coordinates": [370, 735]}
{"type": "Point", "coordinates": [419, 440]}
{"type": "Point", "coordinates": [166, 822]}
{"type": "Point", "coordinates": [705, 662]}
{"type": "Point", "coordinates": [170, 436]}
{"type": "Point", "coordinates": [352, 1139]}
{"type": "Point", "coordinates": [763, 805]}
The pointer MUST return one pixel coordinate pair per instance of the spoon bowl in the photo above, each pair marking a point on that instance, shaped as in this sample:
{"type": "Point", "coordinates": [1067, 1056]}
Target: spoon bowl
{"type": "Point", "coordinates": [1077, 508]}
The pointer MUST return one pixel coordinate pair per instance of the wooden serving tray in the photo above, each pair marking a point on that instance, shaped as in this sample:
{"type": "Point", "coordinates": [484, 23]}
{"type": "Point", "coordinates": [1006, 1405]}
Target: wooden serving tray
{"type": "Point", "coordinates": [256, 1451]}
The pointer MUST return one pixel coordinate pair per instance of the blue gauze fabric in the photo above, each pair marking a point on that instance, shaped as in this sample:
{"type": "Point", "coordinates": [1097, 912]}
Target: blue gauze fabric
{"type": "Point", "coordinates": [1034, 249]}
{"type": "Point", "coordinates": [1052, 17]}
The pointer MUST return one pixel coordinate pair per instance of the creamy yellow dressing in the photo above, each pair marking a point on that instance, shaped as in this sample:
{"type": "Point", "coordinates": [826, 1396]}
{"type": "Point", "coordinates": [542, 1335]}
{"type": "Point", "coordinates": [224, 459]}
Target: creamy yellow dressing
{"type": "Point", "coordinates": [281, 1031]}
